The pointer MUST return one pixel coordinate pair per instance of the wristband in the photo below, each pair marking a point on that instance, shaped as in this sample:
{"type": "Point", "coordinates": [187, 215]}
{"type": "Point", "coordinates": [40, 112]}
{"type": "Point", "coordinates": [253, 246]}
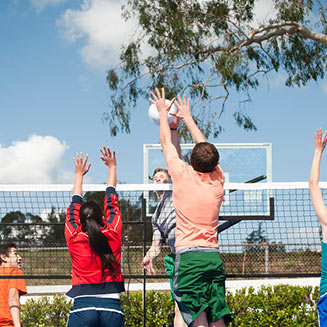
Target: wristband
{"type": "Point", "coordinates": [173, 129]}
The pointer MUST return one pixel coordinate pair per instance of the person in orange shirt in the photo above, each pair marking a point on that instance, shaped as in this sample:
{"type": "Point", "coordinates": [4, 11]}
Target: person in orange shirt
{"type": "Point", "coordinates": [12, 288]}
{"type": "Point", "coordinates": [199, 277]}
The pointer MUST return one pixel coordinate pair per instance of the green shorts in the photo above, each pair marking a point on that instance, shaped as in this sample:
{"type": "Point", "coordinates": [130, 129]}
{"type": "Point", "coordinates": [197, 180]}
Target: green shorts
{"type": "Point", "coordinates": [199, 285]}
{"type": "Point", "coordinates": [170, 263]}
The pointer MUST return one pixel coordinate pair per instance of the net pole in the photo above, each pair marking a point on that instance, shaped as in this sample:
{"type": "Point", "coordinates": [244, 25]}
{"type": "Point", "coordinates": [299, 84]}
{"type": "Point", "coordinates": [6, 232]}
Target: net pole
{"type": "Point", "coordinates": [144, 253]}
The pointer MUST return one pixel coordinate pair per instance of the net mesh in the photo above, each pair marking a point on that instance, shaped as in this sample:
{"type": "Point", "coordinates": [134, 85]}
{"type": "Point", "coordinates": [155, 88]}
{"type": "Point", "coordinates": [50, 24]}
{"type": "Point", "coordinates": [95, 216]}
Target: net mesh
{"type": "Point", "coordinates": [266, 229]}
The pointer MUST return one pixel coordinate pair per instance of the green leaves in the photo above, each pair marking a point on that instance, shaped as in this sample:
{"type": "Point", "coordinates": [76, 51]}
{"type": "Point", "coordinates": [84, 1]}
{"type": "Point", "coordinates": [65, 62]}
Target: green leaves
{"type": "Point", "coordinates": [278, 306]}
{"type": "Point", "coordinates": [281, 305]}
{"type": "Point", "coordinates": [207, 49]}
{"type": "Point", "coordinates": [46, 312]}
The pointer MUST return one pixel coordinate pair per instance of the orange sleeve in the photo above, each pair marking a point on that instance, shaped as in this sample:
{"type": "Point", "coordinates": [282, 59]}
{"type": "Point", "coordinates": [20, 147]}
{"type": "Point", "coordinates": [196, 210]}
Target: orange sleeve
{"type": "Point", "coordinates": [17, 283]}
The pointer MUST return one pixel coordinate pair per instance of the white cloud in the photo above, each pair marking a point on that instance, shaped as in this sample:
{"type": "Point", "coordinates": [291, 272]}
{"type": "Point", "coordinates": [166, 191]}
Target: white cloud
{"type": "Point", "coordinates": [100, 24]}
{"type": "Point", "coordinates": [35, 161]}
{"type": "Point", "coordinates": [264, 10]}
{"type": "Point", "coordinates": [41, 4]}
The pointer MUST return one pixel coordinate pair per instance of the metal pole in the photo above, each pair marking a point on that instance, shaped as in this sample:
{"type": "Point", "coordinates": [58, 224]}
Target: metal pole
{"type": "Point", "coordinates": [267, 258]}
{"type": "Point", "coordinates": [144, 253]}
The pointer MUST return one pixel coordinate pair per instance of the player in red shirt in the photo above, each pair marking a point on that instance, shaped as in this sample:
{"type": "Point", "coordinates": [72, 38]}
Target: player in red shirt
{"type": "Point", "coordinates": [94, 244]}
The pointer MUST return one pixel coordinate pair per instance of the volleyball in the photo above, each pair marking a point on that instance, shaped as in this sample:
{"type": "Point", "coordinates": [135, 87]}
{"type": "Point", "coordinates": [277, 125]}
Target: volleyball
{"type": "Point", "coordinates": [154, 114]}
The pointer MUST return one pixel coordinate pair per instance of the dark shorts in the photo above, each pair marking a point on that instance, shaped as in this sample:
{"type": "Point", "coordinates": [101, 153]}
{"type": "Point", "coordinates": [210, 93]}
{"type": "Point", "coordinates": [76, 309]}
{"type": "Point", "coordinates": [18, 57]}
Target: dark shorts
{"type": "Point", "coordinates": [199, 285]}
{"type": "Point", "coordinates": [96, 312]}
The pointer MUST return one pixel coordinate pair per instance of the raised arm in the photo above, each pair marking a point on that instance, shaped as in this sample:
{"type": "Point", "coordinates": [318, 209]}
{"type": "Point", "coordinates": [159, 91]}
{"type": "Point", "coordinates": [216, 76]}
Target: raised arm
{"type": "Point", "coordinates": [184, 113]}
{"type": "Point", "coordinates": [81, 168]}
{"type": "Point", "coordinates": [111, 208]}
{"type": "Point", "coordinates": [167, 145]}
{"type": "Point", "coordinates": [109, 159]}
{"type": "Point", "coordinates": [72, 216]}
{"type": "Point", "coordinates": [174, 136]}
{"type": "Point", "coordinates": [316, 196]}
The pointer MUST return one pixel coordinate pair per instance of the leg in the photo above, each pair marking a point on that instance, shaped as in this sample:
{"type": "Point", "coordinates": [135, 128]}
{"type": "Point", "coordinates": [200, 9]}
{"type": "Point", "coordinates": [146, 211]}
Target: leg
{"type": "Point", "coordinates": [178, 321]}
{"type": "Point", "coordinates": [218, 312]}
{"type": "Point", "coordinates": [219, 323]}
{"type": "Point", "coordinates": [200, 321]}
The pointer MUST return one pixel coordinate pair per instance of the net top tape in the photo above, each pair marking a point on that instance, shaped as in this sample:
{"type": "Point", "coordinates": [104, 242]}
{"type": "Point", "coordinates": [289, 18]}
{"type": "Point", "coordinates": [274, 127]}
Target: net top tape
{"type": "Point", "coordinates": [149, 187]}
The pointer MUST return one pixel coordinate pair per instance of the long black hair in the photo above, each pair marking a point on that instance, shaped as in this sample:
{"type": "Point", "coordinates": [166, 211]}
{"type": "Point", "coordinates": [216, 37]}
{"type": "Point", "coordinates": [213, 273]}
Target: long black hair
{"type": "Point", "coordinates": [91, 215]}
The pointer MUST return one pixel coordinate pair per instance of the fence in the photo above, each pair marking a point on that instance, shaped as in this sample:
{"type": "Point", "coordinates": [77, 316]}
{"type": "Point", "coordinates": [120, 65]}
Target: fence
{"type": "Point", "coordinates": [265, 230]}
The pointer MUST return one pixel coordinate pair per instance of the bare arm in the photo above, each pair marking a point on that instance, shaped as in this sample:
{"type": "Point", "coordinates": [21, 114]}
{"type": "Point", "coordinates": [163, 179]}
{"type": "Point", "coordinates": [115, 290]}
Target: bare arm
{"type": "Point", "coordinates": [14, 305]}
{"type": "Point", "coordinates": [81, 168]}
{"type": "Point", "coordinates": [316, 196]}
{"type": "Point", "coordinates": [150, 256]}
{"type": "Point", "coordinates": [175, 137]}
{"type": "Point", "coordinates": [167, 145]}
{"type": "Point", "coordinates": [109, 160]}
{"type": "Point", "coordinates": [184, 113]}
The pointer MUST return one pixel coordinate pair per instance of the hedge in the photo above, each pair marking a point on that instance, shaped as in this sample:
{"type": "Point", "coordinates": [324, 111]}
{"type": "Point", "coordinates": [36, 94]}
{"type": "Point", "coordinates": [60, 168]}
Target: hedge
{"type": "Point", "coordinates": [280, 306]}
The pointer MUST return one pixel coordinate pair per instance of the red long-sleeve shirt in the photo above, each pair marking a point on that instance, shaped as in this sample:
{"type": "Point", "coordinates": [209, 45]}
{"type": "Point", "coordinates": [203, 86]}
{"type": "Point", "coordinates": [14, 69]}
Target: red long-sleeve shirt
{"type": "Point", "coordinates": [86, 267]}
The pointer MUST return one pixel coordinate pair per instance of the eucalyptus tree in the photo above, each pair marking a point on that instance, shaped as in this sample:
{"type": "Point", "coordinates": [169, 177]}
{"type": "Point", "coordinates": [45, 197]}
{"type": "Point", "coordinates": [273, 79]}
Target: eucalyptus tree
{"type": "Point", "coordinates": [210, 48]}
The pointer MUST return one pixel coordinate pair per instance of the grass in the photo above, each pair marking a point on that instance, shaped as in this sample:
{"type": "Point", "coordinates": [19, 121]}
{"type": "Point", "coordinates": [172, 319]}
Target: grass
{"type": "Point", "coordinates": [57, 262]}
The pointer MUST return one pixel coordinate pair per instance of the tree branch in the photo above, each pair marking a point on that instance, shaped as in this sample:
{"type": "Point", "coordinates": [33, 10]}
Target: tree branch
{"type": "Point", "coordinates": [280, 30]}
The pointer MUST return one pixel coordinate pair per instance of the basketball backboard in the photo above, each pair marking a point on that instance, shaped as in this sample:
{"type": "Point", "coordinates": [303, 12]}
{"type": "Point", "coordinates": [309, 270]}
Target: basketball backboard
{"type": "Point", "coordinates": [241, 163]}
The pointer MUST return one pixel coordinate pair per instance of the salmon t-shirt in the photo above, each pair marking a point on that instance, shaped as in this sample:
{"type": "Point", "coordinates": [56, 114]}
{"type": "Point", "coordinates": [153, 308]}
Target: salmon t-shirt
{"type": "Point", "coordinates": [5, 285]}
{"type": "Point", "coordinates": [197, 199]}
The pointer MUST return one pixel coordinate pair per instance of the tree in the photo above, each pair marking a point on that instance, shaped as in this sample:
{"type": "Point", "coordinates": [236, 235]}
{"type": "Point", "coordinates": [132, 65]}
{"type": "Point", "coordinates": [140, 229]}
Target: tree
{"type": "Point", "coordinates": [210, 48]}
{"type": "Point", "coordinates": [256, 240]}
{"type": "Point", "coordinates": [25, 228]}
{"type": "Point", "coordinates": [56, 229]}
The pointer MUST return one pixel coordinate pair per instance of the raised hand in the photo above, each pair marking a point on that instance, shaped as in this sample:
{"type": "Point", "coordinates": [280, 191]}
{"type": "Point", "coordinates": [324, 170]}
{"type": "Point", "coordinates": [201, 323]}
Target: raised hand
{"type": "Point", "coordinates": [183, 108]}
{"type": "Point", "coordinates": [109, 159]}
{"type": "Point", "coordinates": [320, 141]}
{"type": "Point", "coordinates": [81, 166]}
{"type": "Point", "coordinates": [159, 99]}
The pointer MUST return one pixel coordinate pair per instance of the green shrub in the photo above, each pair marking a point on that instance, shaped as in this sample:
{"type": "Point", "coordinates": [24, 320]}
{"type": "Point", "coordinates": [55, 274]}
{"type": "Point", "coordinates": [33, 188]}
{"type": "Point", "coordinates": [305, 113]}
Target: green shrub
{"type": "Point", "coordinates": [46, 312]}
{"type": "Point", "coordinates": [159, 309]}
{"type": "Point", "coordinates": [280, 306]}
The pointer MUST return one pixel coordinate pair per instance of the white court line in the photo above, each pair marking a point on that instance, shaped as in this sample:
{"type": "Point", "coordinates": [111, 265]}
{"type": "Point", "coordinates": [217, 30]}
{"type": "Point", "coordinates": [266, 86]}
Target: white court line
{"type": "Point", "coordinates": [231, 286]}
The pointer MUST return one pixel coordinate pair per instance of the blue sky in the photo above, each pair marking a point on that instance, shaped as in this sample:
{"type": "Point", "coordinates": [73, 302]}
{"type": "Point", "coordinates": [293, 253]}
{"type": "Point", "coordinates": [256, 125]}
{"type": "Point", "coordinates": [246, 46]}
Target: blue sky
{"type": "Point", "coordinates": [53, 64]}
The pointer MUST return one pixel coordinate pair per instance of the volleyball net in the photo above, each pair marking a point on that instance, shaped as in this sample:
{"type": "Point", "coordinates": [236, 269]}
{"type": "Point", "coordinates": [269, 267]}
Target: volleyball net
{"type": "Point", "coordinates": [265, 229]}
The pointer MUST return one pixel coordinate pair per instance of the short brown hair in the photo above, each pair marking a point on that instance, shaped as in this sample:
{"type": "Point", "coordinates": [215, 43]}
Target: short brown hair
{"type": "Point", "coordinates": [204, 157]}
{"type": "Point", "coordinates": [157, 170]}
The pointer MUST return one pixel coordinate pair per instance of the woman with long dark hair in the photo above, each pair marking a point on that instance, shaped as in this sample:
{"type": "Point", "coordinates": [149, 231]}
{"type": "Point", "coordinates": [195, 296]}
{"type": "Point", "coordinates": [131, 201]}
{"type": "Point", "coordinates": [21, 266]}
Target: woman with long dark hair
{"type": "Point", "coordinates": [94, 244]}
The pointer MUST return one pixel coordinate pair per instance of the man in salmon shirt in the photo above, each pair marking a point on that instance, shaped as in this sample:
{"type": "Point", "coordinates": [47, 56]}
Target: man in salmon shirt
{"type": "Point", "coordinates": [199, 280]}
{"type": "Point", "coordinates": [12, 288]}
